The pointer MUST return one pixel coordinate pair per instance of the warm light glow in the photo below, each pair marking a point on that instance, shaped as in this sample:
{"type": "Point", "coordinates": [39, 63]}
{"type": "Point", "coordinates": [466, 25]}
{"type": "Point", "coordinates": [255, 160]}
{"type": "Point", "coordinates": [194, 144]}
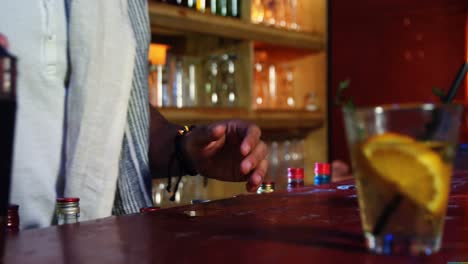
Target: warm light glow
{"type": "Point", "coordinates": [157, 54]}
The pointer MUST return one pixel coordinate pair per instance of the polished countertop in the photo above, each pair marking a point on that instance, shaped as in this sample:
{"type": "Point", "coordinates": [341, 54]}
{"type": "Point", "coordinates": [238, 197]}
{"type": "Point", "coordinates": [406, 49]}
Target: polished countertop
{"type": "Point", "coordinates": [311, 224]}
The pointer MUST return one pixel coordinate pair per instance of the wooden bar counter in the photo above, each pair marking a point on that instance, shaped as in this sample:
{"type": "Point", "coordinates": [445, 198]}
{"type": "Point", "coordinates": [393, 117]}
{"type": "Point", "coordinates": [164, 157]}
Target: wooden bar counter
{"type": "Point", "coordinates": [309, 225]}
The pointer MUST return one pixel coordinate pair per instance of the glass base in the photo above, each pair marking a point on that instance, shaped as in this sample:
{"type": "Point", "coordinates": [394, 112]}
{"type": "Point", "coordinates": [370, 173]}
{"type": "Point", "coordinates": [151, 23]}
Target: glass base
{"type": "Point", "coordinates": [389, 244]}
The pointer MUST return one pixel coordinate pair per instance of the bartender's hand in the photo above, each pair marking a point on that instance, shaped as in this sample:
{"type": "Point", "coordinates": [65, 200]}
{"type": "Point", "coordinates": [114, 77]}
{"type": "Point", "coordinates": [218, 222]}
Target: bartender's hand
{"type": "Point", "coordinates": [228, 151]}
{"type": "Point", "coordinates": [3, 41]}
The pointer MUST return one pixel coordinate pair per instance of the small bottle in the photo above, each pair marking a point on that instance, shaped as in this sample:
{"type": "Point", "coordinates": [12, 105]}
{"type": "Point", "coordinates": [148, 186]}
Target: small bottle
{"type": "Point", "coordinates": [67, 210]}
{"type": "Point", "coordinates": [233, 7]}
{"type": "Point", "coordinates": [213, 7]}
{"type": "Point", "coordinates": [221, 7]}
{"type": "Point", "coordinates": [322, 173]}
{"type": "Point", "coordinates": [295, 177]}
{"type": "Point", "coordinates": [257, 11]}
{"type": "Point", "coordinates": [145, 210]}
{"type": "Point", "coordinates": [266, 187]}
{"type": "Point", "coordinates": [13, 220]}
{"type": "Point", "coordinates": [191, 4]}
{"type": "Point", "coordinates": [200, 5]}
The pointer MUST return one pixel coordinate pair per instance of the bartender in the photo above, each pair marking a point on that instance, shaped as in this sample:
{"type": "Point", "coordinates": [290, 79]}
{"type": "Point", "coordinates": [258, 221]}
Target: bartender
{"type": "Point", "coordinates": [84, 125]}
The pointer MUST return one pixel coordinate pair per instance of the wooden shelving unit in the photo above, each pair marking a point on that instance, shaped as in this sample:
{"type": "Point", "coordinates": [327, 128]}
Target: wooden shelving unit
{"type": "Point", "coordinates": [191, 33]}
{"type": "Point", "coordinates": [167, 17]}
{"type": "Point", "coordinates": [265, 119]}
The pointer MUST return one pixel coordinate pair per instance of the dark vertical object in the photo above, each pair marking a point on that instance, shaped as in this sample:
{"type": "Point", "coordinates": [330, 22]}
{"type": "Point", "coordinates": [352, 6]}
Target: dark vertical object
{"type": "Point", "coordinates": [329, 86]}
{"type": "Point", "coordinates": [7, 121]}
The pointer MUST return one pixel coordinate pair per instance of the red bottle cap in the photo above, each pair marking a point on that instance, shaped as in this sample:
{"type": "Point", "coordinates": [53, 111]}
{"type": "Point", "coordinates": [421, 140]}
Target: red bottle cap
{"type": "Point", "coordinates": [68, 200]}
{"type": "Point", "coordinates": [295, 173]}
{"type": "Point", "coordinates": [322, 168]}
{"type": "Point", "coordinates": [149, 209]}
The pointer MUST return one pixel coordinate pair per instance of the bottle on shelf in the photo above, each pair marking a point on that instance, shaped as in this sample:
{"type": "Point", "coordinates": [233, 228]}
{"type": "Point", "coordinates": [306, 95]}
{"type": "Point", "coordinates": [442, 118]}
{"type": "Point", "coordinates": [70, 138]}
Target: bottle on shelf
{"type": "Point", "coordinates": [213, 7]}
{"type": "Point", "coordinates": [190, 4]}
{"type": "Point", "coordinates": [233, 8]}
{"type": "Point", "coordinates": [67, 210]}
{"type": "Point", "coordinates": [200, 5]}
{"type": "Point", "coordinates": [157, 60]}
{"type": "Point", "coordinates": [192, 96]}
{"type": "Point", "coordinates": [257, 11]}
{"type": "Point", "coordinates": [221, 7]}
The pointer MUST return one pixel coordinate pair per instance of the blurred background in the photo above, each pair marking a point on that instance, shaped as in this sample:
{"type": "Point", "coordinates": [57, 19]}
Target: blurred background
{"type": "Point", "coordinates": [278, 63]}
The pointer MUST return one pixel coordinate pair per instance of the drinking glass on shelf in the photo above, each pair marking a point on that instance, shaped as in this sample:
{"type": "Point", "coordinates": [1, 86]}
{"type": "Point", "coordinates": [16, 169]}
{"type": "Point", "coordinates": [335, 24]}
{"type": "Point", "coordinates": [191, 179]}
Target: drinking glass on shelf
{"type": "Point", "coordinates": [286, 87]}
{"type": "Point", "coordinates": [260, 90]}
{"type": "Point", "coordinates": [168, 81]}
{"type": "Point", "coordinates": [274, 162]}
{"type": "Point", "coordinates": [229, 95]}
{"type": "Point", "coordinates": [180, 82]}
{"type": "Point", "coordinates": [285, 157]}
{"type": "Point", "coordinates": [190, 72]}
{"type": "Point", "coordinates": [311, 101]}
{"type": "Point", "coordinates": [261, 94]}
{"type": "Point", "coordinates": [280, 13]}
{"type": "Point", "coordinates": [269, 12]}
{"type": "Point", "coordinates": [257, 11]}
{"type": "Point", "coordinates": [272, 86]}
{"type": "Point", "coordinates": [211, 96]}
{"type": "Point", "coordinates": [291, 8]}
{"type": "Point", "coordinates": [297, 153]}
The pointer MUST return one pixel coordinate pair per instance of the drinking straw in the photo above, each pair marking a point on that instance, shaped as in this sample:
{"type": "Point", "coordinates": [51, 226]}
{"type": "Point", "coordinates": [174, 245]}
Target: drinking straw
{"type": "Point", "coordinates": [390, 208]}
{"type": "Point", "coordinates": [448, 98]}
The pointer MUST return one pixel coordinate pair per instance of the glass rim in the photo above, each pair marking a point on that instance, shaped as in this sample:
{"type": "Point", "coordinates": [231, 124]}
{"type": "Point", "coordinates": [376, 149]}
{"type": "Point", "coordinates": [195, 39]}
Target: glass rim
{"type": "Point", "coordinates": [379, 109]}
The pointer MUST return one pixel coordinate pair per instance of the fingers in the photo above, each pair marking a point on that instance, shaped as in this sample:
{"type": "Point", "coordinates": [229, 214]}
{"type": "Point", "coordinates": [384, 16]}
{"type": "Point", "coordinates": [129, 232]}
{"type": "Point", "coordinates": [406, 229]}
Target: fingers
{"type": "Point", "coordinates": [340, 170]}
{"type": "Point", "coordinates": [255, 157]}
{"type": "Point", "coordinates": [257, 176]}
{"type": "Point", "coordinates": [251, 139]}
{"type": "Point", "coordinates": [3, 41]}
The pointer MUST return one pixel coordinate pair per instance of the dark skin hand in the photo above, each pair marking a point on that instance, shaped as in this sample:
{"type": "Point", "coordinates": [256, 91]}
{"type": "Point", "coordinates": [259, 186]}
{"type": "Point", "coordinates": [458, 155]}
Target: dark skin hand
{"type": "Point", "coordinates": [228, 150]}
